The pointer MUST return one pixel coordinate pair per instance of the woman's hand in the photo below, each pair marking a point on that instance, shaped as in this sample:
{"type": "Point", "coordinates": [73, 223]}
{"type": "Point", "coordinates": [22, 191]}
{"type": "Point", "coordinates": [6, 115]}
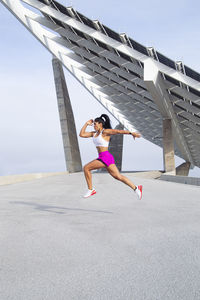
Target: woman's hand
{"type": "Point", "coordinates": [136, 135]}
{"type": "Point", "coordinates": [90, 122]}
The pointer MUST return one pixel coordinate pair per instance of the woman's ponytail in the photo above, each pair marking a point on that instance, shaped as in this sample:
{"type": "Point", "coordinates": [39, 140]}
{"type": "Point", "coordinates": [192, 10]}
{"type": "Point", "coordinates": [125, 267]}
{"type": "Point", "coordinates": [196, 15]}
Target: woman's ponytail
{"type": "Point", "coordinates": [105, 120]}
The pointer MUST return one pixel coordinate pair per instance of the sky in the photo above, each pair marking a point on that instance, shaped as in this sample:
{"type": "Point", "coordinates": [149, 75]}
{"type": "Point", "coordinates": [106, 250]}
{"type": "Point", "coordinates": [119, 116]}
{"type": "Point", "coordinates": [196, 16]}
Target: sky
{"type": "Point", "coordinates": [30, 132]}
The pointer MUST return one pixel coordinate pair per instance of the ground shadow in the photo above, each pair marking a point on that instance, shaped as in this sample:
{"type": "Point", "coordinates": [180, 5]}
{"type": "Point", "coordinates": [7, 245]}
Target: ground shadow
{"type": "Point", "coordinates": [51, 208]}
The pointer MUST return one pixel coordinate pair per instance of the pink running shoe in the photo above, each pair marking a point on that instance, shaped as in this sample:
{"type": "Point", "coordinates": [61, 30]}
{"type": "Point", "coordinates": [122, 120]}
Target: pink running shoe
{"type": "Point", "coordinates": [89, 193]}
{"type": "Point", "coordinates": [139, 191]}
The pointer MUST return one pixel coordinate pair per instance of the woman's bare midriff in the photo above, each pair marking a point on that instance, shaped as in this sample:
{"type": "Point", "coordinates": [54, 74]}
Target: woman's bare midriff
{"type": "Point", "coordinates": [101, 149]}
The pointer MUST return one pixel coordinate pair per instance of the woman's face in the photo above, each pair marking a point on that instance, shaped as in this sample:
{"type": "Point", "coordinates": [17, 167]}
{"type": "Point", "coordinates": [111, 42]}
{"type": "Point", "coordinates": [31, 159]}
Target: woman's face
{"type": "Point", "coordinates": [97, 126]}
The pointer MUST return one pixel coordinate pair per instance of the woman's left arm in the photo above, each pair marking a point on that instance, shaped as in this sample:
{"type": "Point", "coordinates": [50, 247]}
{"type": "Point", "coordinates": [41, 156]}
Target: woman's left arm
{"type": "Point", "coordinates": [118, 131]}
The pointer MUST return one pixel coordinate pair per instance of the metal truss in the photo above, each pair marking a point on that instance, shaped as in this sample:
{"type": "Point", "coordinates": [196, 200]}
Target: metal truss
{"type": "Point", "coordinates": [120, 73]}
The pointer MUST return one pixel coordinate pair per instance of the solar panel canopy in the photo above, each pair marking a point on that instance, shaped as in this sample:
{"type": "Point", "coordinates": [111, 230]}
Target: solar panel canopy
{"type": "Point", "coordinates": [138, 85]}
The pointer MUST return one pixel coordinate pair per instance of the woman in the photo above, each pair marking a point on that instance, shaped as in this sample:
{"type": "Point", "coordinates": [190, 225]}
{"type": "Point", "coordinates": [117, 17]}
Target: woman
{"type": "Point", "coordinates": [101, 138]}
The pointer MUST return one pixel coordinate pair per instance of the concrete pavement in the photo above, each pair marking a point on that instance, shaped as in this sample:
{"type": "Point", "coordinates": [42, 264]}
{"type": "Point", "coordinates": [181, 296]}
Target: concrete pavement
{"type": "Point", "coordinates": [56, 245]}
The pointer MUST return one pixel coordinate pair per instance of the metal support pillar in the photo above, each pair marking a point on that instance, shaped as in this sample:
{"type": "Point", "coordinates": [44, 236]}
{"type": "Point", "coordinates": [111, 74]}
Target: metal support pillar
{"type": "Point", "coordinates": [168, 147]}
{"type": "Point", "coordinates": [69, 135]}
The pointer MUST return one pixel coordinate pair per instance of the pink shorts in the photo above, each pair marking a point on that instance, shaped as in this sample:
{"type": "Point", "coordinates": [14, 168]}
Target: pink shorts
{"type": "Point", "coordinates": [106, 158]}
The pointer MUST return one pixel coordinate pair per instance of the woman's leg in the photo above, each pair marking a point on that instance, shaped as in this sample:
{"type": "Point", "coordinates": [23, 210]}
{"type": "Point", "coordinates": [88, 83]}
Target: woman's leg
{"type": "Point", "coordinates": [94, 164]}
{"type": "Point", "coordinates": [113, 170]}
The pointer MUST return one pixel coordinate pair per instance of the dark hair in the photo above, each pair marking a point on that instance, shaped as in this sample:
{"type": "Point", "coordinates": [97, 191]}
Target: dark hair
{"type": "Point", "coordinates": [105, 120]}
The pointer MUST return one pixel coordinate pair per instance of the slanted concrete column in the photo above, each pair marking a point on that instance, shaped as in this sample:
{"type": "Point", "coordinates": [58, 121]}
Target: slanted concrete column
{"type": "Point", "coordinates": [183, 169]}
{"type": "Point", "coordinates": [70, 141]}
{"type": "Point", "coordinates": [168, 147]}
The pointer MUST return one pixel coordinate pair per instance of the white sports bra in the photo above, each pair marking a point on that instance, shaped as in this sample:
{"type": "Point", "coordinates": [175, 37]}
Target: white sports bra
{"type": "Point", "coordinates": [100, 141]}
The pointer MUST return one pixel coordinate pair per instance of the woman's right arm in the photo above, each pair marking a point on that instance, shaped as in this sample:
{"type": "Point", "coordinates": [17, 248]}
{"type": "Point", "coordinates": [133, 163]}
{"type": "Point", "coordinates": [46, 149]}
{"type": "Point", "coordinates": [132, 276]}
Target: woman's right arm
{"type": "Point", "coordinates": [86, 134]}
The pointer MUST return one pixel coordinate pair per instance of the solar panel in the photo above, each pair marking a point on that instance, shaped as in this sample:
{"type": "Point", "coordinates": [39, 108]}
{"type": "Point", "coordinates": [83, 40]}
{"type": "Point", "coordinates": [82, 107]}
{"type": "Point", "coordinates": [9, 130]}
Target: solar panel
{"type": "Point", "coordinates": [60, 7]}
{"type": "Point", "coordinates": [138, 47]}
{"type": "Point", "coordinates": [74, 43]}
{"type": "Point", "coordinates": [43, 1]}
{"type": "Point", "coordinates": [58, 22]}
{"type": "Point", "coordinates": [166, 61]}
{"type": "Point", "coordinates": [182, 108]}
{"type": "Point", "coordinates": [195, 92]}
{"type": "Point", "coordinates": [111, 33]}
{"type": "Point", "coordinates": [104, 68]}
{"type": "Point", "coordinates": [86, 21]}
{"type": "Point", "coordinates": [196, 105]}
{"type": "Point", "coordinates": [193, 74]}
{"type": "Point", "coordinates": [123, 55]}
{"type": "Point", "coordinates": [94, 53]}
{"type": "Point", "coordinates": [114, 63]}
{"type": "Point", "coordinates": [101, 44]}
{"type": "Point", "coordinates": [176, 95]}
{"type": "Point", "coordinates": [135, 74]}
{"type": "Point", "coordinates": [172, 80]}
{"type": "Point", "coordinates": [122, 77]}
{"type": "Point", "coordinates": [79, 33]}
{"type": "Point", "coordinates": [182, 118]}
{"type": "Point", "coordinates": [143, 88]}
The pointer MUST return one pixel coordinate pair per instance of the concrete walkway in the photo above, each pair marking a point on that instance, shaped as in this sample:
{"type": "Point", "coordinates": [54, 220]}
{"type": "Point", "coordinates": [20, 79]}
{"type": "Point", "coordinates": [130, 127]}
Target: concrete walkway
{"type": "Point", "coordinates": [56, 245]}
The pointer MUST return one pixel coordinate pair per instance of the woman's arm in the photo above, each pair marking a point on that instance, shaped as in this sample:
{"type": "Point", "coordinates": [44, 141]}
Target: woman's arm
{"type": "Point", "coordinates": [118, 131]}
{"type": "Point", "coordinates": [86, 134]}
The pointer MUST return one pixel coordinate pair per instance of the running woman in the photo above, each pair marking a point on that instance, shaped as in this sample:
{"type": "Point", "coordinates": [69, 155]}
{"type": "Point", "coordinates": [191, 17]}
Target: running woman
{"type": "Point", "coordinates": [101, 138]}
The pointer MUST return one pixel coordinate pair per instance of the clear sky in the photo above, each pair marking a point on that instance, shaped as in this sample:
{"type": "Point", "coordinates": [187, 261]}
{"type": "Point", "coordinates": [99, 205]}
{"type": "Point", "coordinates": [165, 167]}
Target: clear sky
{"type": "Point", "coordinates": [30, 132]}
